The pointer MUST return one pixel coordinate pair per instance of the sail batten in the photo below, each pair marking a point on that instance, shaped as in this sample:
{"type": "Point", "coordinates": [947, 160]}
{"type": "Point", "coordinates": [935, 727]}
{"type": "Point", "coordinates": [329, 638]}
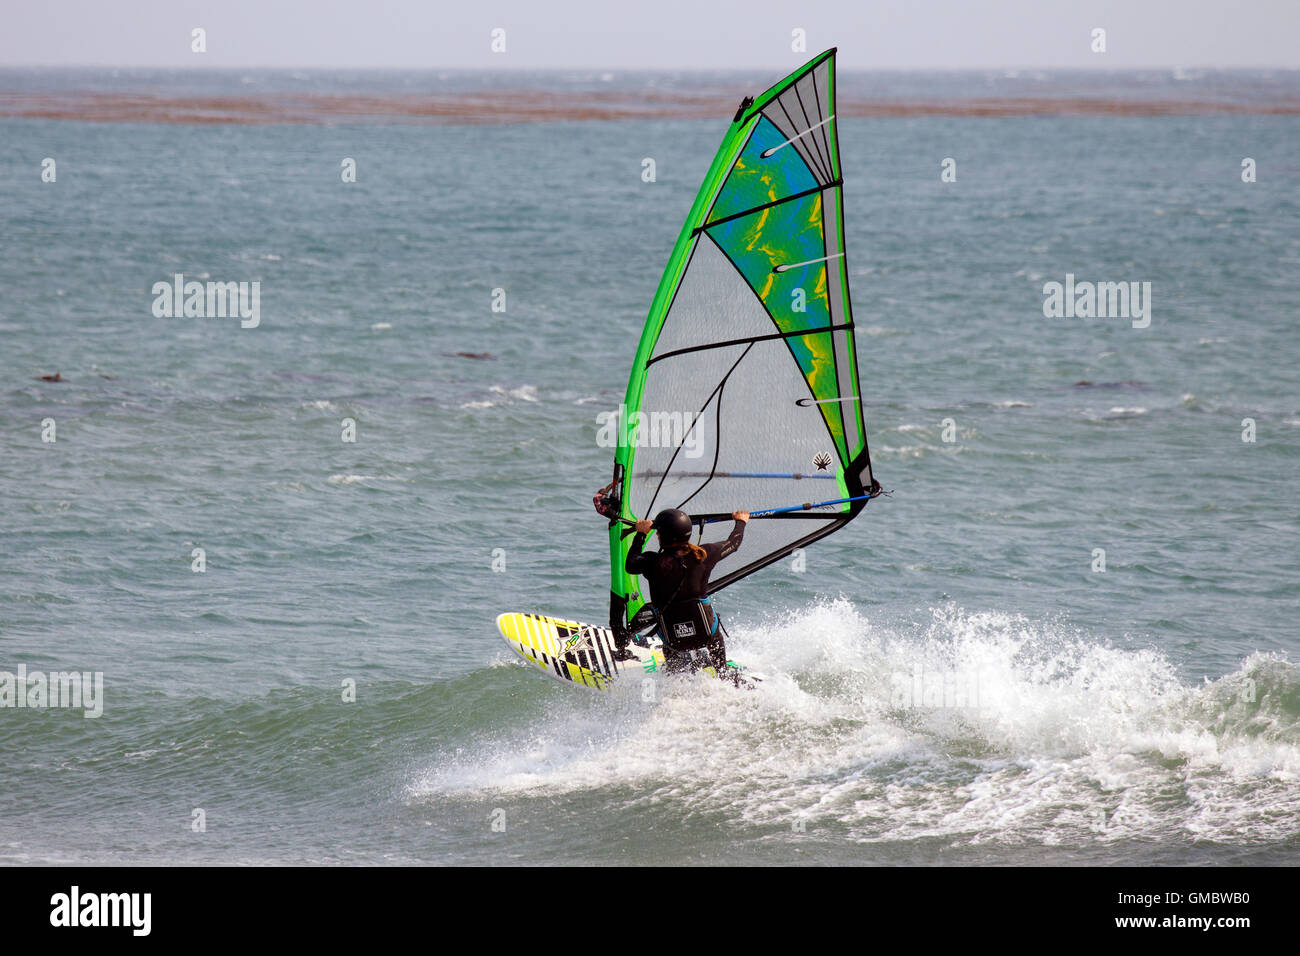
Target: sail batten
{"type": "Point", "coordinates": [745, 382]}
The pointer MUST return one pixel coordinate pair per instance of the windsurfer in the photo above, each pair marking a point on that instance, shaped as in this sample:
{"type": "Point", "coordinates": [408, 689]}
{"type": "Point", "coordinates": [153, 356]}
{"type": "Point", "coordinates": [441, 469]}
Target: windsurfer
{"type": "Point", "coordinates": [604, 506]}
{"type": "Point", "coordinates": [679, 588]}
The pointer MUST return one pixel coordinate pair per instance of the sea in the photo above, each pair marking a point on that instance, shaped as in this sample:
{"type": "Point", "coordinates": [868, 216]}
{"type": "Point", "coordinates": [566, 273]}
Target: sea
{"type": "Point", "coordinates": [277, 549]}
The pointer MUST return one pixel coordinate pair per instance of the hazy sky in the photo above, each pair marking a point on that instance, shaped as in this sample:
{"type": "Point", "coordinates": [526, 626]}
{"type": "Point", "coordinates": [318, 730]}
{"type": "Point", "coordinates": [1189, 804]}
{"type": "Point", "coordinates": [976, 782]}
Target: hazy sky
{"type": "Point", "coordinates": [871, 34]}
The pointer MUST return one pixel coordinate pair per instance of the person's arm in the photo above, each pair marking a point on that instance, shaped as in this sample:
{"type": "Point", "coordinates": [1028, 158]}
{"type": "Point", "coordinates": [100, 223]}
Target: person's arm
{"type": "Point", "coordinates": [720, 549]}
{"type": "Point", "coordinates": [601, 502]}
{"type": "Point", "coordinates": [638, 563]}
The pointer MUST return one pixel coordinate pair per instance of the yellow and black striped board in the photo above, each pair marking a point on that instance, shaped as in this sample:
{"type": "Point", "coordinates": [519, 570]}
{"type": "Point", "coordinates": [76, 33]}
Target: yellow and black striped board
{"type": "Point", "coordinates": [573, 652]}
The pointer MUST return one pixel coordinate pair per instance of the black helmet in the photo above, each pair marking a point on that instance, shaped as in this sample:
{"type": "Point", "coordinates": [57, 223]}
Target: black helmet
{"type": "Point", "coordinates": [673, 526]}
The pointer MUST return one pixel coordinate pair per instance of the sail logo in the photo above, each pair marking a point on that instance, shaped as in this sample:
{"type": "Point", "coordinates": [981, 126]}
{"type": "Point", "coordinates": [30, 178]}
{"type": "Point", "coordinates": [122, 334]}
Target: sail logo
{"type": "Point", "coordinates": [1099, 300]}
{"type": "Point", "coordinates": [208, 300]}
{"type": "Point", "coordinates": [655, 429]}
{"type": "Point", "coordinates": [38, 691]}
{"type": "Point", "coordinates": [74, 909]}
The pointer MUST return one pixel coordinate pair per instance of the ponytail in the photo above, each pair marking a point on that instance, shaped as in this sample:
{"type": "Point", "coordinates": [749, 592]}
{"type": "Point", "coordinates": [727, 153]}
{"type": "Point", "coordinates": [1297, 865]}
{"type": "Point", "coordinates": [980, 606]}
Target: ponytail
{"type": "Point", "coordinates": [696, 552]}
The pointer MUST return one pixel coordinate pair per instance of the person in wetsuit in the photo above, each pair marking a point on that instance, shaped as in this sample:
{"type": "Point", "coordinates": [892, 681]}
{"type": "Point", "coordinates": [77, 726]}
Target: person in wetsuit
{"type": "Point", "coordinates": [603, 502]}
{"type": "Point", "coordinates": [679, 588]}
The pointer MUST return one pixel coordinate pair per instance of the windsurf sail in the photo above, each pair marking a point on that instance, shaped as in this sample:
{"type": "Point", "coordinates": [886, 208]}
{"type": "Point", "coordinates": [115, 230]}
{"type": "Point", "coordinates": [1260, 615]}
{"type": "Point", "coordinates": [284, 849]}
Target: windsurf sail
{"type": "Point", "coordinates": [744, 392]}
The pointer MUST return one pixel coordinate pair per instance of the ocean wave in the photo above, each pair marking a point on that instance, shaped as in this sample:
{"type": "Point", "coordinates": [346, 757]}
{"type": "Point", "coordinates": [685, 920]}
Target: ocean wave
{"type": "Point", "coordinates": [973, 728]}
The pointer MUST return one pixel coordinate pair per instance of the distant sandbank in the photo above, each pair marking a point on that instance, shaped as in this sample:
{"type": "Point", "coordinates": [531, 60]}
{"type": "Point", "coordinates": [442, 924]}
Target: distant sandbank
{"type": "Point", "coordinates": [534, 106]}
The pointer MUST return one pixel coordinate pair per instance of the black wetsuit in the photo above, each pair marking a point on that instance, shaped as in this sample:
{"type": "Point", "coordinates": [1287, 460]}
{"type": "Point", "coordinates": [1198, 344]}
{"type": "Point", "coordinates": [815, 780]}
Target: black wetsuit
{"type": "Point", "coordinates": [679, 587]}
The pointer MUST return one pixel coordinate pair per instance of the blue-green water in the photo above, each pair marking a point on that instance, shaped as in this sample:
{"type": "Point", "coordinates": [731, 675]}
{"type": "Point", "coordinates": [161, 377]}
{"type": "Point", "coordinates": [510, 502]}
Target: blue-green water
{"type": "Point", "coordinates": [1149, 713]}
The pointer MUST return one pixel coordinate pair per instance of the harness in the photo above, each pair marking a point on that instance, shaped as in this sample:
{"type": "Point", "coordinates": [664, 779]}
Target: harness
{"type": "Point", "coordinates": [686, 625]}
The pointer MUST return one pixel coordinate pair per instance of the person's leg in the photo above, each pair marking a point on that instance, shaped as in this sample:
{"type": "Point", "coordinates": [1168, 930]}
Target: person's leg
{"type": "Point", "coordinates": [622, 636]}
{"type": "Point", "coordinates": [675, 662]}
{"type": "Point", "coordinates": [686, 661]}
{"type": "Point", "coordinates": [717, 647]}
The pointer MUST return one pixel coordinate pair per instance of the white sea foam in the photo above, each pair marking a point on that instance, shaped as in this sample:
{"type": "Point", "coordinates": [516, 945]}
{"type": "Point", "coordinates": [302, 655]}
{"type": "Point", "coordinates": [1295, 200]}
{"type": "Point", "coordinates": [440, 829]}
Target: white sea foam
{"type": "Point", "coordinates": [358, 479]}
{"type": "Point", "coordinates": [1069, 740]}
{"type": "Point", "coordinates": [523, 393]}
{"type": "Point", "coordinates": [906, 451]}
{"type": "Point", "coordinates": [507, 396]}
